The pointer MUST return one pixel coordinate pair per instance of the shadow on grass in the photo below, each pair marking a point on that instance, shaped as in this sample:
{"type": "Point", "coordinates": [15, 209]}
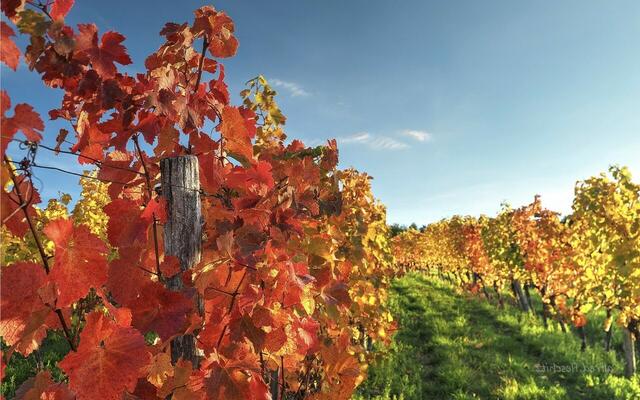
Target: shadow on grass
{"type": "Point", "coordinates": [451, 346]}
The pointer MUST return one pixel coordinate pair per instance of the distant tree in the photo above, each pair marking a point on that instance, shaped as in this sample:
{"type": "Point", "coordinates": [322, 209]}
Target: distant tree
{"type": "Point", "coordinates": [396, 229]}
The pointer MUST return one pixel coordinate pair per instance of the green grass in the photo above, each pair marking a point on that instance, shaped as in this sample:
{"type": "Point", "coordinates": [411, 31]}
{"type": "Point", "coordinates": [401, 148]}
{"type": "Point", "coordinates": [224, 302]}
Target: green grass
{"type": "Point", "coordinates": [454, 346]}
{"type": "Point", "coordinates": [20, 368]}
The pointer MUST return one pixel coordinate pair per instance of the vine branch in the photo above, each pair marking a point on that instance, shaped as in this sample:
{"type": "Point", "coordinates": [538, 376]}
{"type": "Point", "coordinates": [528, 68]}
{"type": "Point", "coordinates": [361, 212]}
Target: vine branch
{"type": "Point", "coordinates": [156, 247]}
{"type": "Point", "coordinates": [43, 255]}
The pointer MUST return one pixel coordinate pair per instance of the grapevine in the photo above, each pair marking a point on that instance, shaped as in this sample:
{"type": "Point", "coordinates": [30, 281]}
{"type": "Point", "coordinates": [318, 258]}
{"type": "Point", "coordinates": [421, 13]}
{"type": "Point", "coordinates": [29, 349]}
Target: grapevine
{"type": "Point", "coordinates": [280, 304]}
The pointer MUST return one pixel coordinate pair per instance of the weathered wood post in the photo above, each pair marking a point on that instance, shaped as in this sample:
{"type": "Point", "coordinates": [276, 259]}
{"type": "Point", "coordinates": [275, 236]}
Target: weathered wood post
{"type": "Point", "coordinates": [182, 231]}
{"type": "Point", "coordinates": [517, 291]}
{"type": "Point", "coordinates": [274, 384]}
{"type": "Point", "coordinates": [629, 352]}
{"type": "Point", "coordinates": [583, 338]}
{"type": "Point", "coordinates": [527, 292]}
{"type": "Point", "coordinates": [609, 330]}
{"type": "Point", "coordinates": [497, 290]}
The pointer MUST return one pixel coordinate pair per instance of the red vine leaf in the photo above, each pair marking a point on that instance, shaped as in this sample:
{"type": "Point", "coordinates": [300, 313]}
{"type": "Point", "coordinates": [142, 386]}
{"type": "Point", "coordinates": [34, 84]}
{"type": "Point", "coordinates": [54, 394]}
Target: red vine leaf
{"type": "Point", "coordinates": [60, 8]}
{"type": "Point", "coordinates": [23, 312]}
{"type": "Point", "coordinates": [178, 384]}
{"type": "Point", "coordinates": [9, 52]}
{"type": "Point", "coordinates": [236, 379]}
{"type": "Point", "coordinates": [109, 360]}
{"type": "Point", "coordinates": [102, 56]}
{"type": "Point", "coordinates": [237, 139]}
{"type": "Point", "coordinates": [307, 335]}
{"type": "Point", "coordinates": [126, 227]}
{"type": "Point", "coordinates": [24, 119]}
{"type": "Point", "coordinates": [28, 121]}
{"type": "Point", "coordinates": [157, 206]}
{"type": "Point", "coordinates": [126, 279]}
{"type": "Point", "coordinates": [160, 369]}
{"type": "Point", "coordinates": [17, 222]}
{"type": "Point", "coordinates": [80, 260]}
{"type": "Point", "coordinates": [42, 386]}
{"type": "Point", "coordinates": [10, 8]}
{"type": "Point", "coordinates": [160, 310]}
{"type": "Point", "coordinates": [170, 266]}
{"type": "Point", "coordinates": [218, 28]}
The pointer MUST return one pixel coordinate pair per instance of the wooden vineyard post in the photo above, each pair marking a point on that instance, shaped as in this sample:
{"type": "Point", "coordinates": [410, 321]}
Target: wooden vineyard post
{"type": "Point", "coordinates": [182, 232]}
{"type": "Point", "coordinates": [274, 383]}
{"type": "Point", "coordinates": [608, 328]}
{"type": "Point", "coordinates": [517, 290]}
{"type": "Point", "coordinates": [628, 345]}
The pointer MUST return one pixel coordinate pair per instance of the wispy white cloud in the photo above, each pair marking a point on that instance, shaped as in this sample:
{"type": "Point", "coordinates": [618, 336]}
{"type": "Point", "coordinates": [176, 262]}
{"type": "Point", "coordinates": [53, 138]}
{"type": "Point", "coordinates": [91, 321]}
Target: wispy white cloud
{"type": "Point", "coordinates": [420, 136]}
{"type": "Point", "coordinates": [293, 88]}
{"type": "Point", "coordinates": [361, 137]}
{"type": "Point", "coordinates": [383, 142]}
{"type": "Point", "coordinates": [373, 141]}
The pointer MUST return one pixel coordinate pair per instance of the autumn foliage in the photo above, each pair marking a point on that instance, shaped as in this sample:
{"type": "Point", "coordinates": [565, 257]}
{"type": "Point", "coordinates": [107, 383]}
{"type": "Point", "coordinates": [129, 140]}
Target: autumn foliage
{"type": "Point", "coordinates": [290, 292]}
{"type": "Point", "coordinates": [586, 260]}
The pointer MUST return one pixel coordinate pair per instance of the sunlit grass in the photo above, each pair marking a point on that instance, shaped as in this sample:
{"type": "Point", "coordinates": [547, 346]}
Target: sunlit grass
{"type": "Point", "coordinates": [455, 346]}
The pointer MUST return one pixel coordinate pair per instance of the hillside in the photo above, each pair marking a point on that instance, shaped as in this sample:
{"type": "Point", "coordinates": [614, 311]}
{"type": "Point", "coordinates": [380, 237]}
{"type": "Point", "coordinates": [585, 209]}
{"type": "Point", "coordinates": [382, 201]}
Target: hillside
{"type": "Point", "coordinates": [453, 346]}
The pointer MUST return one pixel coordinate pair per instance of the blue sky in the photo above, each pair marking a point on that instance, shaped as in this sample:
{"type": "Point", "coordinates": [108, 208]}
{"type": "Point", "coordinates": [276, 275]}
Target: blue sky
{"type": "Point", "coordinates": [453, 106]}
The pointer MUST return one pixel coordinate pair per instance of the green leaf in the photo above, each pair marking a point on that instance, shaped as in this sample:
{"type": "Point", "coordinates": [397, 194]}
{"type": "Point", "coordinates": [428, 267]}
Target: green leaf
{"type": "Point", "coordinates": [33, 23]}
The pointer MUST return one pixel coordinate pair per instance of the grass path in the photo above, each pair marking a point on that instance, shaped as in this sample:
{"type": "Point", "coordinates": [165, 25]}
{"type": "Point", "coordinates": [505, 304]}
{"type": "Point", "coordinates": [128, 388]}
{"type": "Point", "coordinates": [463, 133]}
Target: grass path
{"type": "Point", "coordinates": [451, 346]}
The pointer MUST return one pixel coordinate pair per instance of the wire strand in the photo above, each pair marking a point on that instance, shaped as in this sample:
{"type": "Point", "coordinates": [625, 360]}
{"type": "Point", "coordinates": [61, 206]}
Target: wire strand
{"type": "Point", "coordinates": [126, 184]}
{"type": "Point", "coordinates": [29, 161]}
{"type": "Point", "coordinates": [98, 163]}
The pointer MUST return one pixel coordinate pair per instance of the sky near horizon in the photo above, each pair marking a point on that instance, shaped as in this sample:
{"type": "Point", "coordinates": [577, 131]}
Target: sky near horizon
{"type": "Point", "coordinates": [452, 106]}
